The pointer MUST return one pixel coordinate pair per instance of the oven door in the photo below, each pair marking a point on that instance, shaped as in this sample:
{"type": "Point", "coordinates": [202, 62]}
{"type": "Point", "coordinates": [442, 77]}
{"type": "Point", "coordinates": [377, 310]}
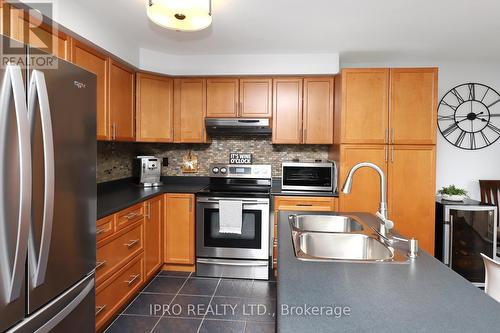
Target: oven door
{"type": "Point", "coordinates": [253, 243]}
{"type": "Point", "coordinates": [308, 177]}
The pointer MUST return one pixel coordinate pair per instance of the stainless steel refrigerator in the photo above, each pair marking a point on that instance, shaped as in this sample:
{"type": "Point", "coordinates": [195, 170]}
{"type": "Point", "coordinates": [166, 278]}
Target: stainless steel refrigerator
{"type": "Point", "coordinates": [47, 194]}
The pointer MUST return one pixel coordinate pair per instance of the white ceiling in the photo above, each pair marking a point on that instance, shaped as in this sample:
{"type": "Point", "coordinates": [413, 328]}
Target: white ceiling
{"type": "Point", "coordinates": [360, 30]}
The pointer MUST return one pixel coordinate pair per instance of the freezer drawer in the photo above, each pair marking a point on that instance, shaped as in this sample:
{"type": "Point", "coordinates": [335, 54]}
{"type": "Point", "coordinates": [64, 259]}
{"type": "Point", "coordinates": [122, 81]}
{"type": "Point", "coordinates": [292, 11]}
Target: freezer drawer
{"type": "Point", "coordinates": [73, 312]}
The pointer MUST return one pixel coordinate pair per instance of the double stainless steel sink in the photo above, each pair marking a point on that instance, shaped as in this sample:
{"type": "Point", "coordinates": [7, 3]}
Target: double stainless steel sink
{"type": "Point", "coordinates": [339, 238]}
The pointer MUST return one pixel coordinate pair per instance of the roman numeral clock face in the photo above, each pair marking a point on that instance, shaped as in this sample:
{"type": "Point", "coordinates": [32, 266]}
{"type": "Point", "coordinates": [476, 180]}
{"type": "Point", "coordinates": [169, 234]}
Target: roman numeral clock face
{"type": "Point", "coordinates": [469, 116]}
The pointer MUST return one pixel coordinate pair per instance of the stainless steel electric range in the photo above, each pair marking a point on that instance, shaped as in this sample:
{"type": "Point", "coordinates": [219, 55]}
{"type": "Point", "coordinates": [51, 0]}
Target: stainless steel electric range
{"type": "Point", "coordinates": [244, 254]}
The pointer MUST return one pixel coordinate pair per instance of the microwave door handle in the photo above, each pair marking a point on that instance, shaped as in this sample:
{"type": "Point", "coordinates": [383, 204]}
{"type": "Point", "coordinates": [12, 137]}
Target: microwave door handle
{"type": "Point", "coordinates": [38, 92]}
{"type": "Point", "coordinates": [13, 80]}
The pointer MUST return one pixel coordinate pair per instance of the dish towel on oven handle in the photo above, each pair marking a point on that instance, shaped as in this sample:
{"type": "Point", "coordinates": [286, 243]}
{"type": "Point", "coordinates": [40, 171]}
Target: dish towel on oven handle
{"type": "Point", "coordinates": [230, 216]}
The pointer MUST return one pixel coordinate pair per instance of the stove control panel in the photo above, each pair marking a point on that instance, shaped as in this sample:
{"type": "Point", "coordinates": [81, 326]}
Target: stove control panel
{"type": "Point", "coordinates": [241, 170]}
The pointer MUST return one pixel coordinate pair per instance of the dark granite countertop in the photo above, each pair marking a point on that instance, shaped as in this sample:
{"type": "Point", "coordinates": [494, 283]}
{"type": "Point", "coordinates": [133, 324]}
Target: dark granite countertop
{"type": "Point", "coordinates": [117, 195]}
{"type": "Point", "coordinates": [276, 190]}
{"type": "Point", "coordinates": [422, 296]}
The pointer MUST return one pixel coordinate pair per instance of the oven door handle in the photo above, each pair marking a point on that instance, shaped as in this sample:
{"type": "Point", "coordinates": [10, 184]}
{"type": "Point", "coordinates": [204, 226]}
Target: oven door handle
{"type": "Point", "coordinates": [244, 201]}
{"type": "Point", "coordinates": [218, 262]}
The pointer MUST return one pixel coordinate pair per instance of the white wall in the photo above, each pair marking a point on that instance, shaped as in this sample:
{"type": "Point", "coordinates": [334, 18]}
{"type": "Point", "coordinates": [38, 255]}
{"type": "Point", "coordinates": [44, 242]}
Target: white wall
{"type": "Point", "coordinates": [239, 64]}
{"type": "Point", "coordinates": [456, 166]}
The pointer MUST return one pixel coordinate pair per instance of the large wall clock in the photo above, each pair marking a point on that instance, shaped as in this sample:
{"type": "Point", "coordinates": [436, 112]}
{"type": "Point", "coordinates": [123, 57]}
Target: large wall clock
{"type": "Point", "coordinates": [469, 116]}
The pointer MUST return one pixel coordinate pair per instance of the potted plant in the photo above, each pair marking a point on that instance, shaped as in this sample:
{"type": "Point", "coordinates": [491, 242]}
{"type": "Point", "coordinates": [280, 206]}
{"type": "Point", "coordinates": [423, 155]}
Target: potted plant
{"type": "Point", "coordinates": [453, 193]}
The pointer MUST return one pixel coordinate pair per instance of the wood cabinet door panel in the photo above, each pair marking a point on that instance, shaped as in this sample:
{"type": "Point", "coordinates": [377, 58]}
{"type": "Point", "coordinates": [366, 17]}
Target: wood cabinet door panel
{"type": "Point", "coordinates": [153, 248]}
{"type": "Point", "coordinates": [154, 108]}
{"type": "Point", "coordinates": [365, 192]}
{"type": "Point", "coordinates": [287, 110]}
{"type": "Point", "coordinates": [413, 108]}
{"type": "Point", "coordinates": [190, 110]}
{"type": "Point", "coordinates": [411, 192]}
{"type": "Point", "coordinates": [318, 110]}
{"type": "Point", "coordinates": [365, 105]}
{"type": "Point", "coordinates": [256, 97]}
{"type": "Point", "coordinates": [179, 229]}
{"type": "Point", "coordinates": [121, 101]}
{"type": "Point", "coordinates": [31, 30]}
{"type": "Point", "coordinates": [98, 64]}
{"type": "Point", "coordinates": [222, 97]}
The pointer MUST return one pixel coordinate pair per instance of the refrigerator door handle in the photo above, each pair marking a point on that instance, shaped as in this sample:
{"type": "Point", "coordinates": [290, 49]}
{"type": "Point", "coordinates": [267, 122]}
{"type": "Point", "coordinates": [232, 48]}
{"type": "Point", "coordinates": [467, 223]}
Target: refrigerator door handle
{"type": "Point", "coordinates": [54, 321]}
{"type": "Point", "coordinates": [38, 91]}
{"type": "Point", "coordinates": [14, 80]}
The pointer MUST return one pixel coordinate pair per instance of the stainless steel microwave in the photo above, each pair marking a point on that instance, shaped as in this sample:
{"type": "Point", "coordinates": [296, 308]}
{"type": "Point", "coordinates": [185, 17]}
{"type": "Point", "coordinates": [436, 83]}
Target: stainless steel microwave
{"type": "Point", "coordinates": [309, 176]}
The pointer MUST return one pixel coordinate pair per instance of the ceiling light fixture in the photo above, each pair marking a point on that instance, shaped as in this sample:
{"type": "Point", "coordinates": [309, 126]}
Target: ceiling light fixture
{"type": "Point", "coordinates": [181, 15]}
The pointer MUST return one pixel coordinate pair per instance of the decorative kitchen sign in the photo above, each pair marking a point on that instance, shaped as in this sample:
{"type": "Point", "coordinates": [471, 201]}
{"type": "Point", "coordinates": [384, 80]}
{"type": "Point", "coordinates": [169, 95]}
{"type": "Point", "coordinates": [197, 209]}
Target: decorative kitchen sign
{"type": "Point", "coordinates": [189, 163]}
{"type": "Point", "coordinates": [469, 116]}
{"type": "Point", "coordinates": [240, 158]}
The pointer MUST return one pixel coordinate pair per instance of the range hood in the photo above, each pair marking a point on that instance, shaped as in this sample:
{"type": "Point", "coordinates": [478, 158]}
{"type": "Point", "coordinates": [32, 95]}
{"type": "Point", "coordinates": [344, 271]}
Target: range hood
{"type": "Point", "coordinates": [237, 126]}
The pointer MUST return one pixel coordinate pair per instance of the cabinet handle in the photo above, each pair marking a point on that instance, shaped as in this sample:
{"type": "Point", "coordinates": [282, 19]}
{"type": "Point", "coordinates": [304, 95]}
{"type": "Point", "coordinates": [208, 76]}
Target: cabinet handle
{"type": "Point", "coordinates": [99, 309]}
{"type": "Point", "coordinates": [392, 154]}
{"type": "Point", "coordinates": [133, 279]}
{"type": "Point", "coordinates": [148, 210]}
{"type": "Point", "coordinates": [236, 105]}
{"type": "Point", "coordinates": [131, 215]}
{"type": "Point", "coordinates": [190, 204]}
{"type": "Point", "coordinates": [99, 264]}
{"type": "Point", "coordinates": [100, 231]}
{"type": "Point", "coordinates": [386, 136]}
{"type": "Point", "coordinates": [132, 243]}
{"type": "Point", "coordinates": [113, 127]}
{"type": "Point", "coordinates": [386, 151]}
{"type": "Point", "coordinates": [304, 205]}
{"type": "Point", "coordinates": [305, 135]}
{"type": "Point", "coordinates": [392, 134]}
{"type": "Point", "coordinates": [241, 108]}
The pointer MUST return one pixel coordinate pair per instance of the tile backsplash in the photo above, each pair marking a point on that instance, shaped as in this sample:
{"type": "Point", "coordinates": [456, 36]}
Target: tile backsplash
{"type": "Point", "coordinates": [114, 159]}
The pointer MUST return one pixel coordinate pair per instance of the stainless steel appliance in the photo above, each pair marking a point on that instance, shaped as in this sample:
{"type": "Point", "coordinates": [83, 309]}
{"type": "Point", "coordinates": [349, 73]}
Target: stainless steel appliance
{"type": "Point", "coordinates": [238, 126]}
{"type": "Point", "coordinates": [147, 170]}
{"type": "Point", "coordinates": [244, 255]}
{"type": "Point", "coordinates": [309, 176]}
{"type": "Point", "coordinates": [47, 196]}
{"type": "Point", "coordinates": [463, 231]}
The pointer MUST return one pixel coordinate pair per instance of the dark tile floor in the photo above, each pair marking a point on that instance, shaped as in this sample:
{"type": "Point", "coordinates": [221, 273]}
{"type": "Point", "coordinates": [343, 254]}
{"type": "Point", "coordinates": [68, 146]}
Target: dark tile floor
{"type": "Point", "coordinates": [184, 303]}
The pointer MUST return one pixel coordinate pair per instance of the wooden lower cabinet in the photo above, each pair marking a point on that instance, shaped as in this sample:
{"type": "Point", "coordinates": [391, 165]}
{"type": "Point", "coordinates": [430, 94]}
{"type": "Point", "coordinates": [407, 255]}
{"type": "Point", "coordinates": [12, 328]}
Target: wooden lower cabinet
{"type": "Point", "coordinates": [153, 225]}
{"type": "Point", "coordinates": [411, 192]}
{"type": "Point", "coordinates": [179, 229]}
{"type": "Point", "coordinates": [290, 203]}
{"type": "Point", "coordinates": [118, 250]}
{"type": "Point", "coordinates": [365, 191]}
{"type": "Point", "coordinates": [116, 291]}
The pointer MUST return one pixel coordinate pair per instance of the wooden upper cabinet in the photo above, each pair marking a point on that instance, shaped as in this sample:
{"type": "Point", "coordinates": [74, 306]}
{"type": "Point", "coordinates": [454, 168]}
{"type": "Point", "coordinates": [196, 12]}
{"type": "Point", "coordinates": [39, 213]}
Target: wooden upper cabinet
{"type": "Point", "coordinates": [154, 108]}
{"type": "Point", "coordinates": [121, 102]}
{"type": "Point", "coordinates": [365, 191]}
{"type": "Point", "coordinates": [222, 97]}
{"type": "Point", "coordinates": [411, 192]}
{"type": "Point", "coordinates": [190, 110]}
{"type": "Point", "coordinates": [179, 229]}
{"type": "Point", "coordinates": [318, 110]}
{"type": "Point", "coordinates": [413, 105]}
{"type": "Point", "coordinates": [31, 30]}
{"type": "Point", "coordinates": [256, 97]}
{"type": "Point", "coordinates": [153, 225]}
{"type": "Point", "coordinates": [287, 110]}
{"type": "Point", "coordinates": [97, 63]}
{"type": "Point", "coordinates": [365, 105]}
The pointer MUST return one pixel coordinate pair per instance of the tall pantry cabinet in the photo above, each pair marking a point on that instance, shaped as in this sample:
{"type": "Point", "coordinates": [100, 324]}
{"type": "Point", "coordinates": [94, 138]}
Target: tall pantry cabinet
{"type": "Point", "coordinates": [388, 117]}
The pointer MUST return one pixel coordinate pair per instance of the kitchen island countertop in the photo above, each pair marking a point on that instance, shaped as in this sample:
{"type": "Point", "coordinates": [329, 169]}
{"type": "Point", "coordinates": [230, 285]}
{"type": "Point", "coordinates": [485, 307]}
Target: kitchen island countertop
{"type": "Point", "coordinates": [421, 296]}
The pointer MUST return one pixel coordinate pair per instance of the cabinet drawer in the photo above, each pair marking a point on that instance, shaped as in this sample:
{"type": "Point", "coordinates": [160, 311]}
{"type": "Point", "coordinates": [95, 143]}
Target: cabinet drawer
{"type": "Point", "coordinates": [305, 203]}
{"type": "Point", "coordinates": [129, 215]}
{"type": "Point", "coordinates": [104, 227]}
{"type": "Point", "coordinates": [114, 254]}
{"type": "Point", "coordinates": [113, 294]}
